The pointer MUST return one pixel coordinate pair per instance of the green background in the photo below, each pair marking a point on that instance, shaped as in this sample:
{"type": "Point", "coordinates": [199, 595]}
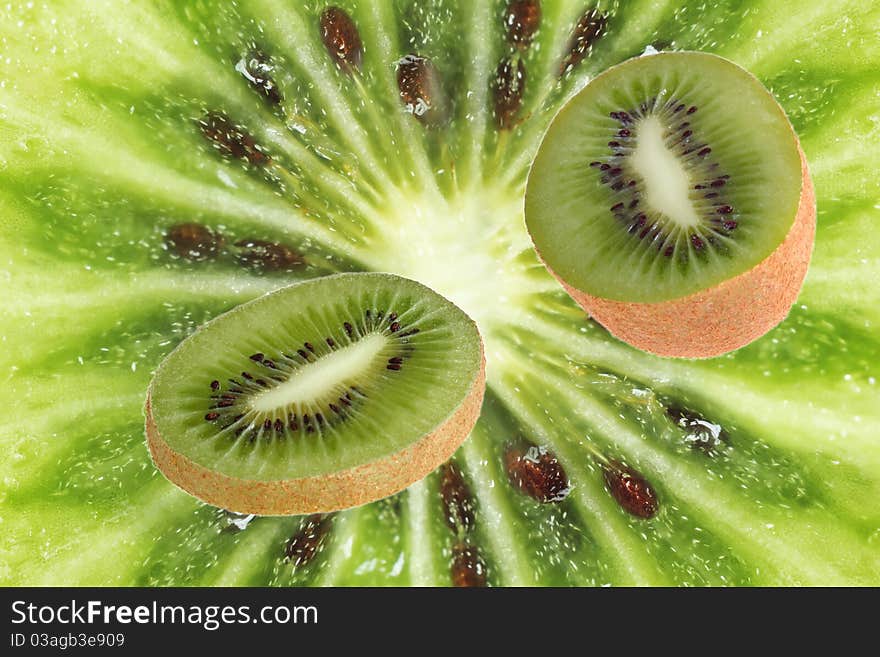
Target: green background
{"type": "Point", "coordinates": [100, 154]}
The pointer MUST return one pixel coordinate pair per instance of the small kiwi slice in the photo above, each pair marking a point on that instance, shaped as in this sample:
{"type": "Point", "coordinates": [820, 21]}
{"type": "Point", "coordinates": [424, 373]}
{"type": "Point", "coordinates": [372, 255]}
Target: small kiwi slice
{"type": "Point", "coordinates": [323, 395]}
{"type": "Point", "coordinates": [671, 199]}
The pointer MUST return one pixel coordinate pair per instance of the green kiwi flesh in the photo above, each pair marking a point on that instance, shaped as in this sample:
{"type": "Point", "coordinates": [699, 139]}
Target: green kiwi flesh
{"type": "Point", "coordinates": [666, 175]}
{"type": "Point", "coordinates": [316, 378]}
{"type": "Point", "coordinates": [126, 223]}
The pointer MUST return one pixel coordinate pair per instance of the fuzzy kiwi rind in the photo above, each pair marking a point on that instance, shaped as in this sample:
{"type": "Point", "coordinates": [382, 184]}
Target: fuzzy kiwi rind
{"type": "Point", "coordinates": [727, 315]}
{"type": "Point", "coordinates": [322, 494]}
{"type": "Point", "coordinates": [333, 490]}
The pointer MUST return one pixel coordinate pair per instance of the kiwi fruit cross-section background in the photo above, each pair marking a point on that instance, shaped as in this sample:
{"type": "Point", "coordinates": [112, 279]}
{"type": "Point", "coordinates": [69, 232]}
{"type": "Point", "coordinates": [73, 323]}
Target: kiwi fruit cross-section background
{"type": "Point", "coordinates": [196, 193]}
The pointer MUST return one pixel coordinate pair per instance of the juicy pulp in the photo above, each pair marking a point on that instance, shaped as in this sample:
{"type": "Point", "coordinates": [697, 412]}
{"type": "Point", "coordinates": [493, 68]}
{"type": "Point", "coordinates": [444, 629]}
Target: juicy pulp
{"type": "Point", "coordinates": [593, 243]}
{"type": "Point", "coordinates": [389, 411]}
{"type": "Point", "coordinates": [99, 155]}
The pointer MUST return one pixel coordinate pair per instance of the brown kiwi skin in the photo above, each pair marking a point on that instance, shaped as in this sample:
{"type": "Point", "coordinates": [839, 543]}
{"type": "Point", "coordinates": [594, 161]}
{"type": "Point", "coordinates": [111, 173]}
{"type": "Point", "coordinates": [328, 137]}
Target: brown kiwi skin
{"type": "Point", "coordinates": [325, 493]}
{"type": "Point", "coordinates": [722, 318]}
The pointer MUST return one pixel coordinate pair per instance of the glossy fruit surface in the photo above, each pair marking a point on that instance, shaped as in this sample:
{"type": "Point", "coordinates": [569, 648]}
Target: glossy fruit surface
{"type": "Point", "coordinates": [164, 162]}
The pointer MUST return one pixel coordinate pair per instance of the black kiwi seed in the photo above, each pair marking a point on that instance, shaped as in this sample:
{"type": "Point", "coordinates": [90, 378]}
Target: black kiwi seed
{"type": "Point", "coordinates": [307, 541]}
{"type": "Point", "coordinates": [590, 27]}
{"type": "Point", "coordinates": [193, 241]}
{"type": "Point", "coordinates": [264, 256]}
{"type": "Point", "coordinates": [223, 405]}
{"type": "Point", "coordinates": [468, 568]}
{"type": "Point", "coordinates": [341, 38]}
{"type": "Point", "coordinates": [719, 215]}
{"type": "Point", "coordinates": [522, 18]}
{"type": "Point", "coordinates": [536, 472]}
{"type": "Point", "coordinates": [458, 506]}
{"type": "Point", "coordinates": [257, 68]}
{"type": "Point", "coordinates": [509, 86]}
{"type": "Point", "coordinates": [418, 83]}
{"type": "Point", "coordinates": [231, 140]}
{"type": "Point", "coordinates": [631, 490]}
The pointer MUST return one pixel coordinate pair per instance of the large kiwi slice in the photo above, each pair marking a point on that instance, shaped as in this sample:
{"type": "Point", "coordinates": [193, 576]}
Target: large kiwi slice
{"type": "Point", "coordinates": [320, 396]}
{"type": "Point", "coordinates": [672, 199]}
{"type": "Point", "coordinates": [131, 213]}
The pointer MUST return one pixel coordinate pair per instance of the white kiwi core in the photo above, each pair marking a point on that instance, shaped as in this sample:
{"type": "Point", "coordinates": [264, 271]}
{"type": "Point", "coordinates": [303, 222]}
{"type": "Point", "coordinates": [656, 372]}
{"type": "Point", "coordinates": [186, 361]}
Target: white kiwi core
{"type": "Point", "coordinates": [317, 380]}
{"type": "Point", "coordinates": [667, 183]}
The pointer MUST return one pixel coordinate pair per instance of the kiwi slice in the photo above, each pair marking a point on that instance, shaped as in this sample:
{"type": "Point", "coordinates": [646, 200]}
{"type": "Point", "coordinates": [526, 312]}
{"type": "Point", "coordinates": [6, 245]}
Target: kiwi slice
{"type": "Point", "coordinates": [397, 136]}
{"type": "Point", "coordinates": [321, 396]}
{"type": "Point", "coordinates": [673, 201]}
